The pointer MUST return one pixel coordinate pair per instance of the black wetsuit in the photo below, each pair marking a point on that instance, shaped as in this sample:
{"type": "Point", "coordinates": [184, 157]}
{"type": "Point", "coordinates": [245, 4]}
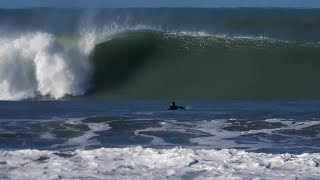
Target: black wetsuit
{"type": "Point", "coordinates": [174, 107]}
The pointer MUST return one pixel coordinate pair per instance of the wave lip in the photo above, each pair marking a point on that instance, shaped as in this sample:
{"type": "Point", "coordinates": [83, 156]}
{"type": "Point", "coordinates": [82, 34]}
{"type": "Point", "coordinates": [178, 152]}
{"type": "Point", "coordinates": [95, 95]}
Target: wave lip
{"type": "Point", "coordinates": [140, 162]}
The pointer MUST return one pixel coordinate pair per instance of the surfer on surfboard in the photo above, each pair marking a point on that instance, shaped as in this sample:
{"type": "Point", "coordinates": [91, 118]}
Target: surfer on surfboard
{"type": "Point", "coordinates": [174, 107]}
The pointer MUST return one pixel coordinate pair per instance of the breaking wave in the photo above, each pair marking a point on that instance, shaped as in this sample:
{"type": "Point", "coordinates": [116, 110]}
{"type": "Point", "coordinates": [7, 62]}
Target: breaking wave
{"type": "Point", "coordinates": [129, 61]}
{"type": "Point", "coordinates": [133, 54]}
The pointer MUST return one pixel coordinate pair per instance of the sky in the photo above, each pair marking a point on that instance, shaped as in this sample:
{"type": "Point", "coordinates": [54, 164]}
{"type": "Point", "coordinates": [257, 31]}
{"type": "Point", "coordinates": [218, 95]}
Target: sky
{"type": "Point", "coordinates": [159, 3]}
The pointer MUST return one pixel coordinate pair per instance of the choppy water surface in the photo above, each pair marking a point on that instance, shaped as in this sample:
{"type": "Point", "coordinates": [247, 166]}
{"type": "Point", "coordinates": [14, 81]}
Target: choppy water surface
{"type": "Point", "coordinates": [144, 137]}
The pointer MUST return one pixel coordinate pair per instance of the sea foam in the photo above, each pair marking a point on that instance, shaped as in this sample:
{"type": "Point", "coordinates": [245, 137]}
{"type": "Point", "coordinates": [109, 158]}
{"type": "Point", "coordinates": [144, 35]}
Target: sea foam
{"type": "Point", "coordinates": [138, 162]}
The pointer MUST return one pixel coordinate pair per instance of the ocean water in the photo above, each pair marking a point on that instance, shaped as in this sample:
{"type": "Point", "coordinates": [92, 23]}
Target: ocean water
{"type": "Point", "coordinates": [142, 139]}
{"type": "Point", "coordinates": [84, 93]}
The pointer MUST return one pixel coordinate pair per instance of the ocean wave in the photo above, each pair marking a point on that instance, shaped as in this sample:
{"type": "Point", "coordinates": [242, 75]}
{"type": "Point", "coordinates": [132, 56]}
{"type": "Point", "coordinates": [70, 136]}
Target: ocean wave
{"type": "Point", "coordinates": [104, 62]}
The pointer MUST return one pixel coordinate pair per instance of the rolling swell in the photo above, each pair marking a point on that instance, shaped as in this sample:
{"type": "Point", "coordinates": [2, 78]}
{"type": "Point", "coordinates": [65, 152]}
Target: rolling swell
{"type": "Point", "coordinates": [156, 65]}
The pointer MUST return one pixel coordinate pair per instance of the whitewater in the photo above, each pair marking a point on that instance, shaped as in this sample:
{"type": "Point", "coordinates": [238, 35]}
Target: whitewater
{"type": "Point", "coordinates": [84, 93]}
{"type": "Point", "coordinates": [35, 64]}
{"type": "Point", "coordinates": [141, 163]}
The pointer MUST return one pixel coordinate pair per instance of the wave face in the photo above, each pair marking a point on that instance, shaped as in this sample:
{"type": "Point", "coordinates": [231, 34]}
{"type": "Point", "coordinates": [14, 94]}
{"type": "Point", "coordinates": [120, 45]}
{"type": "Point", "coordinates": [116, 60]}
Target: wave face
{"type": "Point", "coordinates": [160, 53]}
{"type": "Point", "coordinates": [150, 64]}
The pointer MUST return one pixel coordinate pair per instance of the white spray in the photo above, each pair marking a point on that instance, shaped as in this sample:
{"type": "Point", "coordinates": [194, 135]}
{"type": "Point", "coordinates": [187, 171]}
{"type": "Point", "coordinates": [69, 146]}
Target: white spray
{"type": "Point", "coordinates": [34, 64]}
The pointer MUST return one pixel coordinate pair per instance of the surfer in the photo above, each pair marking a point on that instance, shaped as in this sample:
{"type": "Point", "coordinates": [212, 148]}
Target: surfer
{"type": "Point", "coordinates": [174, 107]}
